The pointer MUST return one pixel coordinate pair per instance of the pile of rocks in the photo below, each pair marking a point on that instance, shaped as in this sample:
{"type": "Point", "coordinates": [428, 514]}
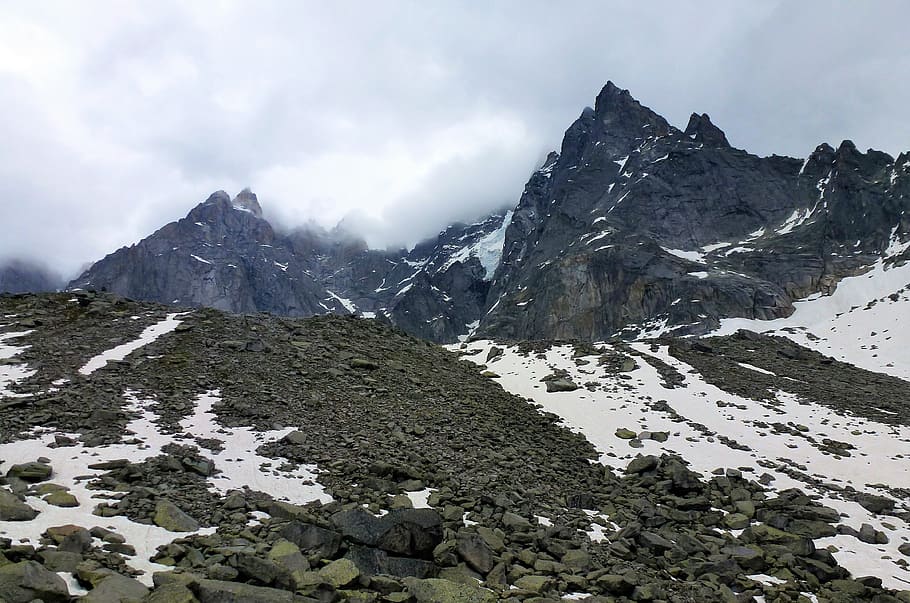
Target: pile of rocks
{"type": "Point", "coordinates": [518, 509]}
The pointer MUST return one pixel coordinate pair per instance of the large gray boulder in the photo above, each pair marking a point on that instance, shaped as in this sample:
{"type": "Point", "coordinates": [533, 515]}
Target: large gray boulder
{"type": "Point", "coordinates": [26, 581]}
{"type": "Point", "coordinates": [13, 509]}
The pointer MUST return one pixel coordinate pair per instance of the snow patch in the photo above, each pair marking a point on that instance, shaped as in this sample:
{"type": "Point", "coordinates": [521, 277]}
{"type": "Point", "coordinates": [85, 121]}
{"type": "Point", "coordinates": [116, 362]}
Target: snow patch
{"type": "Point", "coordinates": [120, 352]}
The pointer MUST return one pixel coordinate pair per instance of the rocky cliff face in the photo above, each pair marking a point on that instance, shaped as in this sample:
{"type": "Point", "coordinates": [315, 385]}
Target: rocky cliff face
{"type": "Point", "coordinates": [633, 227]}
{"type": "Point", "coordinates": [636, 225]}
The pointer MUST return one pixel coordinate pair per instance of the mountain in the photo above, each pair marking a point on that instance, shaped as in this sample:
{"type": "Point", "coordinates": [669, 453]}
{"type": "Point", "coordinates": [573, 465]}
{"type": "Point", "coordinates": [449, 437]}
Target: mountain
{"type": "Point", "coordinates": [633, 227]}
{"type": "Point", "coordinates": [23, 276]}
{"type": "Point", "coordinates": [637, 225]}
{"type": "Point", "coordinates": [154, 454]}
{"type": "Point", "coordinates": [225, 255]}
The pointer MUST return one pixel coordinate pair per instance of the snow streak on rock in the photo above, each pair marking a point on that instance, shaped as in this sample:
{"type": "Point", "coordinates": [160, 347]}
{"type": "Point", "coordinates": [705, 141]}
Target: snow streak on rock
{"type": "Point", "coordinates": [238, 465]}
{"type": "Point", "coordinates": [120, 352]}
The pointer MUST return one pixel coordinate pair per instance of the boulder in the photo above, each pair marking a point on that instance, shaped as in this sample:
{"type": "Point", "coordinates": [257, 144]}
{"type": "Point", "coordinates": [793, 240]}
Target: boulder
{"type": "Point", "coordinates": [435, 590]}
{"type": "Point", "coordinates": [217, 591]}
{"type": "Point", "coordinates": [13, 509]}
{"type": "Point", "coordinates": [61, 498]}
{"type": "Point", "coordinates": [641, 464]}
{"type": "Point", "coordinates": [116, 589]}
{"type": "Point", "coordinates": [170, 517]}
{"type": "Point", "coordinates": [27, 581]}
{"type": "Point", "coordinates": [561, 384]}
{"type": "Point", "coordinates": [340, 572]}
{"type": "Point", "coordinates": [312, 539]}
{"type": "Point", "coordinates": [476, 553]}
{"type": "Point", "coordinates": [31, 472]}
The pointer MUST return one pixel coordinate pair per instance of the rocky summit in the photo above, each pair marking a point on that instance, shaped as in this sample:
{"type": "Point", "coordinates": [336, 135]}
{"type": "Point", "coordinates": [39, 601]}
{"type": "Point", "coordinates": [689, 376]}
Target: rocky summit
{"type": "Point", "coordinates": [634, 226]}
{"type": "Point", "coordinates": [160, 455]}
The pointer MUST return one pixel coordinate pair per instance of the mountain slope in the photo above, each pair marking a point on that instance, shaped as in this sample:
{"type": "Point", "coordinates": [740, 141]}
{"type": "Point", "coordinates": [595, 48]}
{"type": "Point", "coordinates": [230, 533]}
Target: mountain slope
{"type": "Point", "coordinates": [21, 276]}
{"type": "Point", "coordinates": [266, 459]}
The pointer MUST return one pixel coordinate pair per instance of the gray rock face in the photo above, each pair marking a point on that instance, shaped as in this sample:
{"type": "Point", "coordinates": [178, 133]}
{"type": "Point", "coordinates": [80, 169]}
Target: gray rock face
{"type": "Point", "coordinates": [27, 581]}
{"type": "Point", "coordinates": [635, 223]}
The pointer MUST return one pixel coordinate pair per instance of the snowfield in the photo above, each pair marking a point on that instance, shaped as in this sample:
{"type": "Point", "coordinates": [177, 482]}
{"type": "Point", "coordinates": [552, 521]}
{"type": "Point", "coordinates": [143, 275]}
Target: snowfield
{"type": "Point", "coordinates": [238, 465]}
{"type": "Point", "coordinates": [713, 417]}
{"type": "Point", "coordinates": [860, 323]}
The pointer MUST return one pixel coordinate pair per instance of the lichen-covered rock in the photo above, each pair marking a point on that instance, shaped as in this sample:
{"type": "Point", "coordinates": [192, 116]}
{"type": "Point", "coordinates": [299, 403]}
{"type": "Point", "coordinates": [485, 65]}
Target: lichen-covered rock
{"type": "Point", "coordinates": [435, 590]}
{"type": "Point", "coordinates": [26, 581]}
{"type": "Point", "coordinates": [170, 517]}
{"type": "Point", "coordinates": [13, 509]}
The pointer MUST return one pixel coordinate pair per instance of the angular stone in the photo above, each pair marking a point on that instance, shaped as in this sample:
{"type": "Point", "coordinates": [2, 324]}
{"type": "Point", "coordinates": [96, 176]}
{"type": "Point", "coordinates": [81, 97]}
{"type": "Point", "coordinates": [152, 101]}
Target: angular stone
{"type": "Point", "coordinates": [476, 553]}
{"type": "Point", "coordinates": [516, 522]}
{"type": "Point", "coordinates": [641, 464]}
{"type": "Point", "coordinates": [312, 539]}
{"type": "Point", "coordinates": [875, 504]}
{"type": "Point", "coordinates": [27, 581]}
{"type": "Point", "coordinates": [171, 593]}
{"type": "Point", "coordinates": [436, 590]}
{"type": "Point", "coordinates": [216, 591]}
{"type": "Point", "coordinates": [372, 562]}
{"type": "Point", "coordinates": [116, 589]}
{"type": "Point", "coordinates": [340, 572]}
{"type": "Point", "coordinates": [61, 499]}
{"type": "Point", "coordinates": [31, 472]}
{"type": "Point", "coordinates": [577, 560]}
{"type": "Point", "coordinates": [13, 509]}
{"type": "Point", "coordinates": [170, 517]}
{"type": "Point", "coordinates": [562, 384]}
{"type": "Point", "coordinates": [534, 583]}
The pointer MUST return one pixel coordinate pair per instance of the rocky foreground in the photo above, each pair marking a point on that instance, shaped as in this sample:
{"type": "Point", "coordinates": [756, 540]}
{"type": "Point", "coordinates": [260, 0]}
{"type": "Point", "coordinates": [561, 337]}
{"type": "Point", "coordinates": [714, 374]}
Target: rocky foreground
{"type": "Point", "coordinates": [259, 459]}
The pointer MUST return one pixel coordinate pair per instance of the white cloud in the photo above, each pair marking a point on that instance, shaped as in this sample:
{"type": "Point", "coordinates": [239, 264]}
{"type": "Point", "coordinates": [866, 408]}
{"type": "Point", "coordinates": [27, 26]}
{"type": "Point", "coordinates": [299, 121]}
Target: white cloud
{"type": "Point", "coordinates": [120, 116]}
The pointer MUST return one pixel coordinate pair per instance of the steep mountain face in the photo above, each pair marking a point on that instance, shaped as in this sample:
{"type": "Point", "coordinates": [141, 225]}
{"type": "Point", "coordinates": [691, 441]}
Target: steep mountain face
{"type": "Point", "coordinates": [22, 276]}
{"type": "Point", "coordinates": [636, 224]}
{"type": "Point", "coordinates": [225, 255]}
{"type": "Point", "coordinates": [633, 227]}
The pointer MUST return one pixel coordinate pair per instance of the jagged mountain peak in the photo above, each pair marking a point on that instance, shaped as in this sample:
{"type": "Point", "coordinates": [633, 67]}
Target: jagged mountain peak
{"type": "Point", "coordinates": [702, 130]}
{"type": "Point", "coordinates": [633, 223]}
{"type": "Point", "coordinates": [246, 200]}
{"type": "Point", "coordinates": [620, 113]}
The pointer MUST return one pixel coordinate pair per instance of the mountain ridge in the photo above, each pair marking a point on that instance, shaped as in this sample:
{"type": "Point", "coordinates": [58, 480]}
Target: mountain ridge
{"type": "Point", "coordinates": [634, 225]}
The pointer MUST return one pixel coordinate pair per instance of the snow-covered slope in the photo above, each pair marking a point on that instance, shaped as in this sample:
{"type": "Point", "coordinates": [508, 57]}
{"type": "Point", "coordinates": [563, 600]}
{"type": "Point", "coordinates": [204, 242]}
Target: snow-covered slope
{"type": "Point", "coordinates": [716, 430]}
{"type": "Point", "coordinates": [661, 404]}
{"type": "Point", "coordinates": [241, 467]}
{"type": "Point", "coordinates": [861, 323]}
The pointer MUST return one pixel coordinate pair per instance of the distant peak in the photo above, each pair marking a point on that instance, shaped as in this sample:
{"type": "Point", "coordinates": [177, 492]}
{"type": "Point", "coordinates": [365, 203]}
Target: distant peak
{"type": "Point", "coordinates": [612, 96]}
{"type": "Point", "coordinates": [218, 197]}
{"type": "Point", "coordinates": [847, 146]}
{"type": "Point", "coordinates": [702, 130]}
{"type": "Point", "coordinates": [246, 200]}
{"type": "Point", "coordinates": [620, 113]}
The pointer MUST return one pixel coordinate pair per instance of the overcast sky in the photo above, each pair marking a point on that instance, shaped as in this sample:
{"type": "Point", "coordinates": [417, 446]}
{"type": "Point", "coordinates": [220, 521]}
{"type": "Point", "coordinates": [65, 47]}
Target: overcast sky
{"type": "Point", "coordinates": [118, 117]}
